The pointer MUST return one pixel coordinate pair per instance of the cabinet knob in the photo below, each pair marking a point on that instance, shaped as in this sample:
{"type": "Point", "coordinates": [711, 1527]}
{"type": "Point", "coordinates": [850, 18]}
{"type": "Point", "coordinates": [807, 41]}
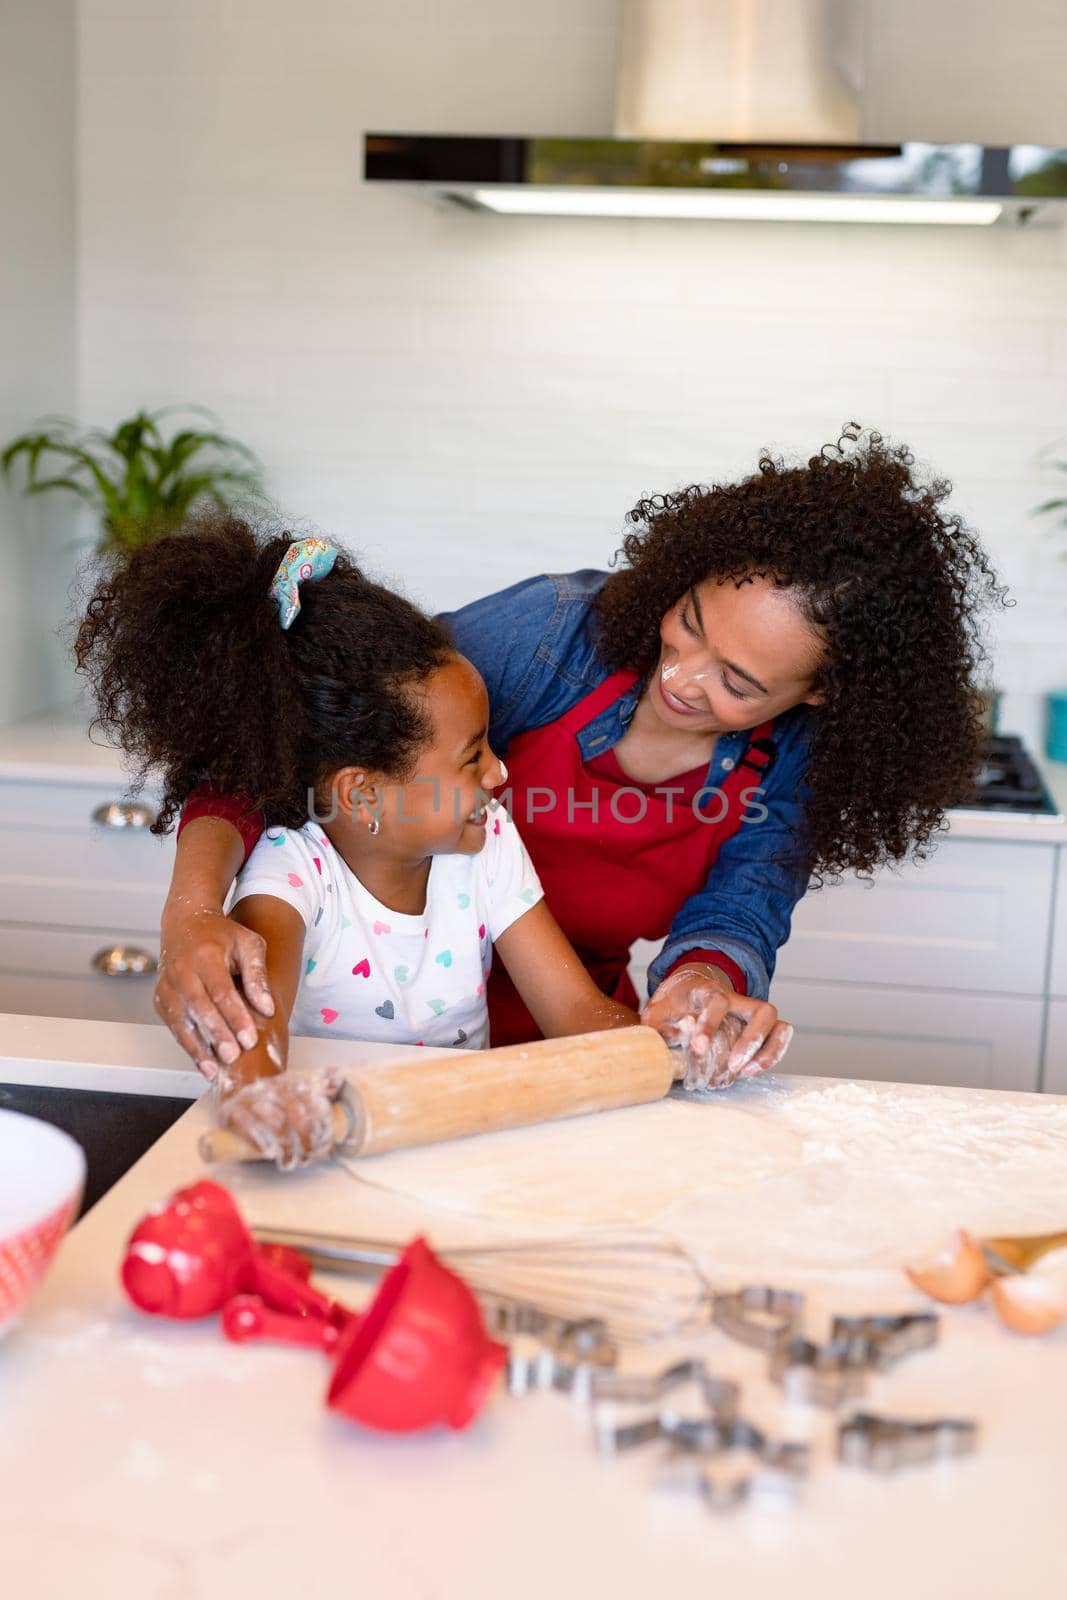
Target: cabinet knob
{"type": "Point", "coordinates": [124, 961]}
{"type": "Point", "coordinates": [124, 814]}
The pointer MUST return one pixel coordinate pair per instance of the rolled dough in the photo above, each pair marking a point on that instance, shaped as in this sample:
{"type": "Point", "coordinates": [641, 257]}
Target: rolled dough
{"type": "Point", "coordinates": [616, 1166]}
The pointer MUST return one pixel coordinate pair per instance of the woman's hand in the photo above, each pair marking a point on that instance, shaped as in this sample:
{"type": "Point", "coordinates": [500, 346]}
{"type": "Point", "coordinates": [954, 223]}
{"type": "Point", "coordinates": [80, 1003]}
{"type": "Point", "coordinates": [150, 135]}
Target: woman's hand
{"type": "Point", "coordinates": [196, 996]}
{"type": "Point", "coordinates": [288, 1117]}
{"type": "Point", "coordinates": [724, 1035]}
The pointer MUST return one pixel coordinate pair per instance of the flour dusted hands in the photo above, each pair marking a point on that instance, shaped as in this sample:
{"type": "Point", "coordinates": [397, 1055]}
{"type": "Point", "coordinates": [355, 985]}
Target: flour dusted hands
{"type": "Point", "coordinates": [201, 950]}
{"type": "Point", "coordinates": [288, 1117]}
{"type": "Point", "coordinates": [723, 1035]}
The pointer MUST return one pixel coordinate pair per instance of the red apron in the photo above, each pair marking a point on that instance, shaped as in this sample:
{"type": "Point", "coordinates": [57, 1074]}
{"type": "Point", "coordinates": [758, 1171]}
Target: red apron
{"type": "Point", "coordinates": [609, 880]}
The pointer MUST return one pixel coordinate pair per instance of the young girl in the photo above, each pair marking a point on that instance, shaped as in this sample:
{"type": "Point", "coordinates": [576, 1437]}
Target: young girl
{"type": "Point", "coordinates": [279, 669]}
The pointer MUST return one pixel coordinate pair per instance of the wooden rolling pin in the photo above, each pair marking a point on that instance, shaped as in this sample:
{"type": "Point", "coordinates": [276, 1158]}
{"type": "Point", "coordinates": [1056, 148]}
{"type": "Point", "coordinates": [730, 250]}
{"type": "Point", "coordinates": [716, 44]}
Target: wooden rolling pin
{"type": "Point", "coordinates": [481, 1091]}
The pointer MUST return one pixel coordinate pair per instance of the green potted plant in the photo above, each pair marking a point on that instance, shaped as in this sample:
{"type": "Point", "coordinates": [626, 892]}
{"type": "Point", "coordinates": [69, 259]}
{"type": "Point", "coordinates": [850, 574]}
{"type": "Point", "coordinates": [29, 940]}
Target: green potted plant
{"type": "Point", "coordinates": [1059, 503]}
{"type": "Point", "coordinates": [1056, 728]}
{"type": "Point", "coordinates": [140, 484]}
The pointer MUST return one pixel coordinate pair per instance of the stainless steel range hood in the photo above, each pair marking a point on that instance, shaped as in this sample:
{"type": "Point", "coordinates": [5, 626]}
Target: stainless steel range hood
{"type": "Point", "coordinates": [734, 109]}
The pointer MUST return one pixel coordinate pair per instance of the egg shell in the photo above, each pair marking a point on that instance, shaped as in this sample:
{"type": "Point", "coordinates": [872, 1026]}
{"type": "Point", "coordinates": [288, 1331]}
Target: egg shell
{"type": "Point", "coordinates": [1028, 1304]}
{"type": "Point", "coordinates": [957, 1274]}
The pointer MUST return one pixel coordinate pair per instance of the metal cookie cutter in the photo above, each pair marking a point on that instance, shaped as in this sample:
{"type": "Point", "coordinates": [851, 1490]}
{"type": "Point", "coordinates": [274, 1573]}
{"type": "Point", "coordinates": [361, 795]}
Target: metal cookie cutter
{"type": "Point", "coordinates": [758, 1315]}
{"type": "Point", "coordinates": [585, 1342]}
{"type": "Point", "coordinates": [645, 1388]}
{"type": "Point", "coordinates": [569, 1358]}
{"type": "Point", "coordinates": [721, 1431]}
{"type": "Point", "coordinates": [689, 1464]}
{"type": "Point", "coordinates": [719, 1488]}
{"type": "Point", "coordinates": [819, 1374]}
{"type": "Point", "coordinates": [739, 1434]}
{"type": "Point", "coordinates": [886, 1443]}
{"type": "Point", "coordinates": [881, 1341]}
{"type": "Point", "coordinates": [720, 1395]}
{"type": "Point", "coordinates": [611, 1439]}
{"type": "Point", "coordinates": [544, 1369]}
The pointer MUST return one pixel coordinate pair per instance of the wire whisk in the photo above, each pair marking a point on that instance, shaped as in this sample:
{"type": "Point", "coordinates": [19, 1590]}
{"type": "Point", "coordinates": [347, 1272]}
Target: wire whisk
{"type": "Point", "coordinates": [640, 1288]}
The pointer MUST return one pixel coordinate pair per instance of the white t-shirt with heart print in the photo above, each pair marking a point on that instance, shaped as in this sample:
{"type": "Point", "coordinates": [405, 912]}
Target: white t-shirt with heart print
{"type": "Point", "coordinates": [373, 973]}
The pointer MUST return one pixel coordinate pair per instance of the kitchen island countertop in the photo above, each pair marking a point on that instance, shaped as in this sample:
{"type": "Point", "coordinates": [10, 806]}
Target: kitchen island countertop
{"type": "Point", "coordinates": [140, 1456]}
{"type": "Point", "coordinates": [123, 1057]}
{"type": "Point", "coordinates": [87, 1054]}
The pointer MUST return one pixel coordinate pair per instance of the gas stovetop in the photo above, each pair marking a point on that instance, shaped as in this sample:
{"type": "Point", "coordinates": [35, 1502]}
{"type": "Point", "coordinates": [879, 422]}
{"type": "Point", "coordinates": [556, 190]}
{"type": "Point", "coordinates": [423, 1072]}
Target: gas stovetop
{"type": "Point", "coordinates": [1008, 780]}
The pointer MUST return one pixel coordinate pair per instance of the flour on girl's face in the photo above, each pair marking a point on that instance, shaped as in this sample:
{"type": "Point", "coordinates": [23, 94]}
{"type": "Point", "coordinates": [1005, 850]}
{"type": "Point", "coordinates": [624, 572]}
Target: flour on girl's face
{"type": "Point", "coordinates": [373, 973]}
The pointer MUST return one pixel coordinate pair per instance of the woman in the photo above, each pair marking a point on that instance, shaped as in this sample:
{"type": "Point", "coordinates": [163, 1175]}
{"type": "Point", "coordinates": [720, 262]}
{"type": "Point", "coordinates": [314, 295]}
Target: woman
{"type": "Point", "coordinates": [778, 685]}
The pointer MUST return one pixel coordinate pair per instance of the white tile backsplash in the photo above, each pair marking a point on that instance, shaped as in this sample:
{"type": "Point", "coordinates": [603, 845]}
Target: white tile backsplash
{"type": "Point", "coordinates": [37, 339]}
{"type": "Point", "coordinates": [468, 399]}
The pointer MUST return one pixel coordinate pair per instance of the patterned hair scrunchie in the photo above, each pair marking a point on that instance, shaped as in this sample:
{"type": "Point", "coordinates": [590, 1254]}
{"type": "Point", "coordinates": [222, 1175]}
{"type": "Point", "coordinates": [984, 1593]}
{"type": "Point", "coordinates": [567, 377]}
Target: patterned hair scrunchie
{"type": "Point", "coordinates": [305, 560]}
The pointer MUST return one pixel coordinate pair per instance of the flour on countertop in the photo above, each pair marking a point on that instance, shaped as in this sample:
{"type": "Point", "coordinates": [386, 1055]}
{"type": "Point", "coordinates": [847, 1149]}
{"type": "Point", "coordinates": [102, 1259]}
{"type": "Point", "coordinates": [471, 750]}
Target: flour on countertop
{"type": "Point", "coordinates": [931, 1126]}
{"type": "Point", "coordinates": [614, 1167]}
{"type": "Point", "coordinates": [165, 1354]}
{"type": "Point", "coordinates": [888, 1171]}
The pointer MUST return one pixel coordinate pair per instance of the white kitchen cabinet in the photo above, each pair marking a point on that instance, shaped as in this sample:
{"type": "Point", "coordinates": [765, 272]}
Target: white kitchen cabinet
{"type": "Point", "coordinates": [934, 973]}
{"type": "Point", "coordinates": [91, 902]}
{"type": "Point", "coordinates": [912, 1035]}
{"type": "Point", "coordinates": [63, 863]}
{"type": "Point", "coordinates": [1057, 974]}
{"type": "Point", "coordinates": [81, 889]}
{"type": "Point", "coordinates": [103, 973]}
{"type": "Point", "coordinates": [74, 876]}
{"type": "Point", "coordinates": [71, 856]}
{"type": "Point", "coordinates": [1055, 1079]}
{"type": "Point", "coordinates": [976, 915]}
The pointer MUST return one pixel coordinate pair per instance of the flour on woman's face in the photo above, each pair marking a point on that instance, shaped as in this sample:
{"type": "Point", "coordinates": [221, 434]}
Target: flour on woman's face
{"type": "Point", "coordinates": [733, 655]}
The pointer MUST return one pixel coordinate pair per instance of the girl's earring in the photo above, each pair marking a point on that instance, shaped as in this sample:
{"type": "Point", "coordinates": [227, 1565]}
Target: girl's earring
{"type": "Point", "coordinates": [374, 826]}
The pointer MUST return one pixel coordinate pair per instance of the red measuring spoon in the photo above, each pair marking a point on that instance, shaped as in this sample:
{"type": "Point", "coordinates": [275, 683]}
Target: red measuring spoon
{"type": "Point", "coordinates": [248, 1316]}
{"type": "Point", "coordinates": [189, 1256]}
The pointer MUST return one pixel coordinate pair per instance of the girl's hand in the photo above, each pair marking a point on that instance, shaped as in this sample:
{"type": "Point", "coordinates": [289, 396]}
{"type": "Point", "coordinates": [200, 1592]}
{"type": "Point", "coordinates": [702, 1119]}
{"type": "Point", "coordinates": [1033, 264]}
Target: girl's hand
{"type": "Point", "coordinates": [724, 1035]}
{"type": "Point", "coordinates": [195, 995]}
{"type": "Point", "coordinates": [289, 1117]}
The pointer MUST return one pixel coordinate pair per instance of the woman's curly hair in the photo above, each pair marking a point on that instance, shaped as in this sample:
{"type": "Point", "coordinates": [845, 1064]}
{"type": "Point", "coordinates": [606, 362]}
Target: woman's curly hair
{"type": "Point", "coordinates": [195, 677]}
{"type": "Point", "coordinates": [894, 583]}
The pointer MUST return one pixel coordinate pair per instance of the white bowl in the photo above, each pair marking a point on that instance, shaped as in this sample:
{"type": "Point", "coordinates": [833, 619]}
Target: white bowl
{"type": "Point", "coordinates": [42, 1175]}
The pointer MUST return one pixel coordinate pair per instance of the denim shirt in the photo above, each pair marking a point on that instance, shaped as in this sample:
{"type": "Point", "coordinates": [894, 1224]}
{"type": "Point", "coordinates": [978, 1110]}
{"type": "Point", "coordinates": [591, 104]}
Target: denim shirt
{"type": "Point", "coordinates": [534, 646]}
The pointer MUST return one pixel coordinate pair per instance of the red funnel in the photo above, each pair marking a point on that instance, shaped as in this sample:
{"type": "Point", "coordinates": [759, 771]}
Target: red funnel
{"type": "Point", "coordinates": [419, 1355]}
